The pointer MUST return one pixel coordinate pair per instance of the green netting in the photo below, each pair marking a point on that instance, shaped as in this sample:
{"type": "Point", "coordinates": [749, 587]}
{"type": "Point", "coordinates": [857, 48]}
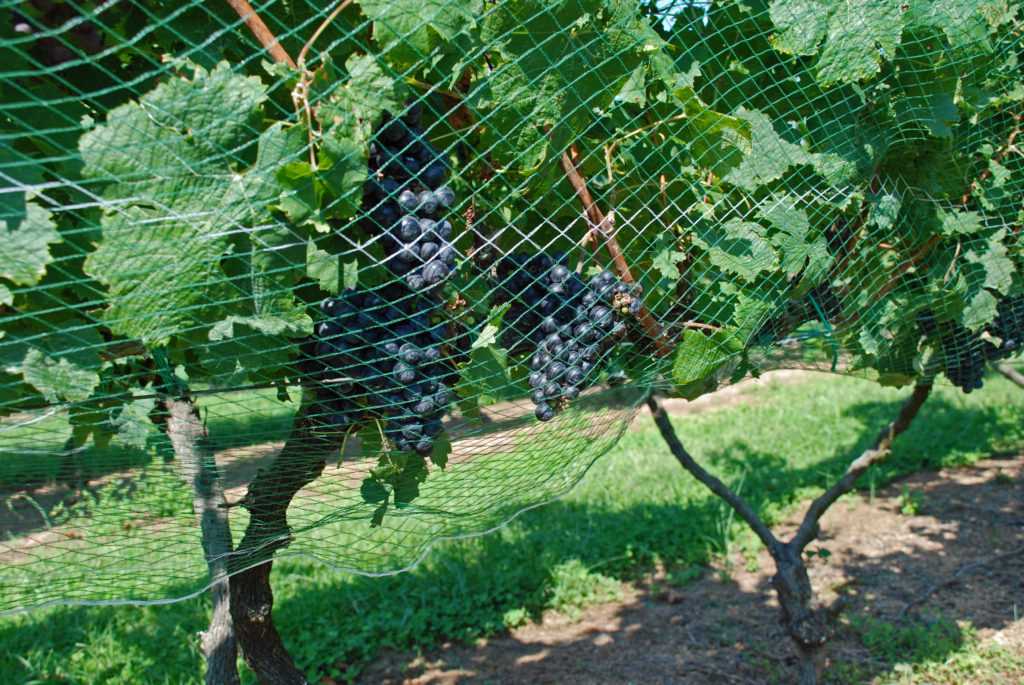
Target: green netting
{"type": "Point", "coordinates": [346, 280]}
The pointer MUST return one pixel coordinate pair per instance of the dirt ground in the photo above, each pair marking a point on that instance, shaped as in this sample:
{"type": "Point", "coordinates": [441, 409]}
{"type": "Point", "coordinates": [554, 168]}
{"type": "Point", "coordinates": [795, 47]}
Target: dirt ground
{"type": "Point", "coordinates": [959, 555]}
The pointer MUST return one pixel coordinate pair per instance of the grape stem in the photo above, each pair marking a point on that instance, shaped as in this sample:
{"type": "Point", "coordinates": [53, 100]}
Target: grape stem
{"type": "Point", "coordinates": [300, 96]}
{"type": "Point", "coordinates": [598, 225]}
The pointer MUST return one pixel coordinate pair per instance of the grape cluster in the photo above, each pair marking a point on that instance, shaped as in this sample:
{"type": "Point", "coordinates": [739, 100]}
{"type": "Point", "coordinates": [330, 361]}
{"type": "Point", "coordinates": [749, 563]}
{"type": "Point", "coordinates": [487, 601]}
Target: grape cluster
{"type": "Point", "coordinates": [380, 356]}
{"type": "Point", "coordinates": [1008, 326]}
{"type": "Point", "coordinates": [406, 198]}
{"type": "Point", "coordinates": [567, 323]}
{"type": "Point", "coordinates": [962, 359]}
{"type": "Point", "coordinates": [964, 353]}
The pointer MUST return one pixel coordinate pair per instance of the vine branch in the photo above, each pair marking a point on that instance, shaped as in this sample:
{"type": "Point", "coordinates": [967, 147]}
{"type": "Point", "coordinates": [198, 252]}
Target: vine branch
{"type": "Point", "coordinates": [600, 224]}
{"type": "Point", "coordinates": [878, 451]}
{"type": "Point", "coordinates": [808, 622]}
{"type": "Point", "coordinates": [1011, 373]}
{"type": "Point", "coordinates": [734, 500]}
{"type": "Point", "coordinates": [263, 34]}
{"type": "Point", "coordinates": [197, 467]}
{"type": "Point", "coordinates": [300, 462]}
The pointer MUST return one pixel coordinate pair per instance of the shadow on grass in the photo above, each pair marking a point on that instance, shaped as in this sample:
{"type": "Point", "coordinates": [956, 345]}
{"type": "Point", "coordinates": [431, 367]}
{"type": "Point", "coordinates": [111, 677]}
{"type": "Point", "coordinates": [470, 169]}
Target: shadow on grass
{"type": "Point", "coordinates": [336, 625]}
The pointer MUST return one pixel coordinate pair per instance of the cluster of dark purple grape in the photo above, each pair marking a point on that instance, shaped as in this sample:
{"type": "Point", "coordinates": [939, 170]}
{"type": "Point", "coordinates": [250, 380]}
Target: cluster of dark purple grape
{"type": "Point", "coordinates": [961, 357]}
{"type": "Point", "coordinates": [406, 198]}
{"type": "Point", "coordinates": [964, 354]}
{"type": "Point", "coordinates": [1008, 326]}
{"type": "Point", "coordinates": [380, 356]}
{"type": "Point", "coordinates": [568, 324]}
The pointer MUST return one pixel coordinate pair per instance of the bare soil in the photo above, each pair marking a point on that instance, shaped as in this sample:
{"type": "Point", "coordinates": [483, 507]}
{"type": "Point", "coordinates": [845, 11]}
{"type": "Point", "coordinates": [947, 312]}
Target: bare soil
{"type": "Point", "coordinates": [959, 555]}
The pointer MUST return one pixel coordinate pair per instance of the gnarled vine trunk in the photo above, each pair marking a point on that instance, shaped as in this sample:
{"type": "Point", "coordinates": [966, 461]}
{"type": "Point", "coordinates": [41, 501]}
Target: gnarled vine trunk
{"type": "Point", "coordinates": [808, 622]}
{"type": "Point", "coordinates": [300, 462]}
{"type": "Point", "coordinates": [196, 466]}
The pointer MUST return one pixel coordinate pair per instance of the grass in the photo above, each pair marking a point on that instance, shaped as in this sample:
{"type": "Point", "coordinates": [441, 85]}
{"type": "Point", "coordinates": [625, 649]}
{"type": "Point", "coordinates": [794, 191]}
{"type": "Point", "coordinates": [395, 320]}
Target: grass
{"type": "Point", "coordinates": [939, 650]}
{"type": "Point", "coordinates": [633, 511]}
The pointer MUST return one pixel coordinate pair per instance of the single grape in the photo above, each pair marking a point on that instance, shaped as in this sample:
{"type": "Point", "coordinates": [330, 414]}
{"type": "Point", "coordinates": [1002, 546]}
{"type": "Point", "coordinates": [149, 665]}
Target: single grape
{"type": "Point", "coordinates": [445, 196]}
{"type": "Point", "coordinates": [427, 202]}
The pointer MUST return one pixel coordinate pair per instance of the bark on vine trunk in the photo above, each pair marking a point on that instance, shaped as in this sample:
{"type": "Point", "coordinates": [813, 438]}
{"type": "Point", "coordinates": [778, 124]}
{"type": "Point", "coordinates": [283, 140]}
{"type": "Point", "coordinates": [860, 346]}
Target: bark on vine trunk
{"type": "Point", "coordinates": [300, 462]}
{"type": "Point", "coordinates": [808, 621]}
{"type": "Point", "coordinates": [196, 466]}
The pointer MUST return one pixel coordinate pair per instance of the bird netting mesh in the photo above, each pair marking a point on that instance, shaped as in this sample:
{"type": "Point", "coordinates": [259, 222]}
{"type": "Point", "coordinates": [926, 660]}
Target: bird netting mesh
{"type": "Point", "coordinates": [346, 279]}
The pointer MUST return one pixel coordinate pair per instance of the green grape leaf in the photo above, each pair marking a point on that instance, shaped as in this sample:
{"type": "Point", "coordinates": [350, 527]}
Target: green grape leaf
{"type": "Point", "coordinates": [538, 98]}
{"type": "Point", "coordinates": [57, 356]}
{"type": "Point", "coordinates": [442, 448]}
{"type": "Point", "coordinates": [131, 421]}
{"type": "Point", "coordinates": [25, 248]}
{"type": "Point", "coordinates": [883, 210]}
{"type": "Point", "coordinates": [324, 268]}
{"type": "Point", "coordinates": [998, 193]}
{"type": "Point", "coordinates": [737, 247]}
{"type": "Point", "coordinates": [634, 90]}
{"type": "Point", "coordinates": [700, 354]}
{"type": "Point", "coordinates": [768, 156]}
{"type": "Point", "coordinates": [486, 379]}
{"type": "Point", "coordinates": [993, 257]}
{"type": "Point", "coordinates": [410, 30]}
{"type": "Point", "coordinates": [965, 22]}
{"type": "Point", "coordinates": [489, 335]}
{"type": "Point", "coordinates": [859, 34]}
{"type": "Point", "coordinates": [799, 249]}
{"type": "Point", "coordinates": [406, 483]}
{"type": "Point", "coordinates": [58, 379]}
{"type": "Point", "coordinates": [188, 240]}
{"type": "Point", "coordinates": [961, 223]}
{"type": "Point", "coordinates": [801, 25]}
{"type": "Point", "coordinates": [876, 323]}
{"type": "Point", "coordinates": [373, 491]}
{"type": "Point", "coordinates": [348, 116]}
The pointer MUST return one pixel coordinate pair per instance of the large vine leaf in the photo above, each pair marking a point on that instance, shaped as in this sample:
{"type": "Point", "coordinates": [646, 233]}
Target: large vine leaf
{"type": "Point", "coordinates": [561, 62]}
{"type": "Point", "coordinates": [859, 34]}
{"type": "Point", "coordinates": [349, 115]}
{"type": "Point", "coordinates": [27, 230]}
{"type": "Point", "coordinates": [188, 239]}
{"type": "Point", "coordinates": [767, 156]}
{"type": "Point", "coordinates": [410, 30]}
{"type": "Point", "coordinates": [737, 247]}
